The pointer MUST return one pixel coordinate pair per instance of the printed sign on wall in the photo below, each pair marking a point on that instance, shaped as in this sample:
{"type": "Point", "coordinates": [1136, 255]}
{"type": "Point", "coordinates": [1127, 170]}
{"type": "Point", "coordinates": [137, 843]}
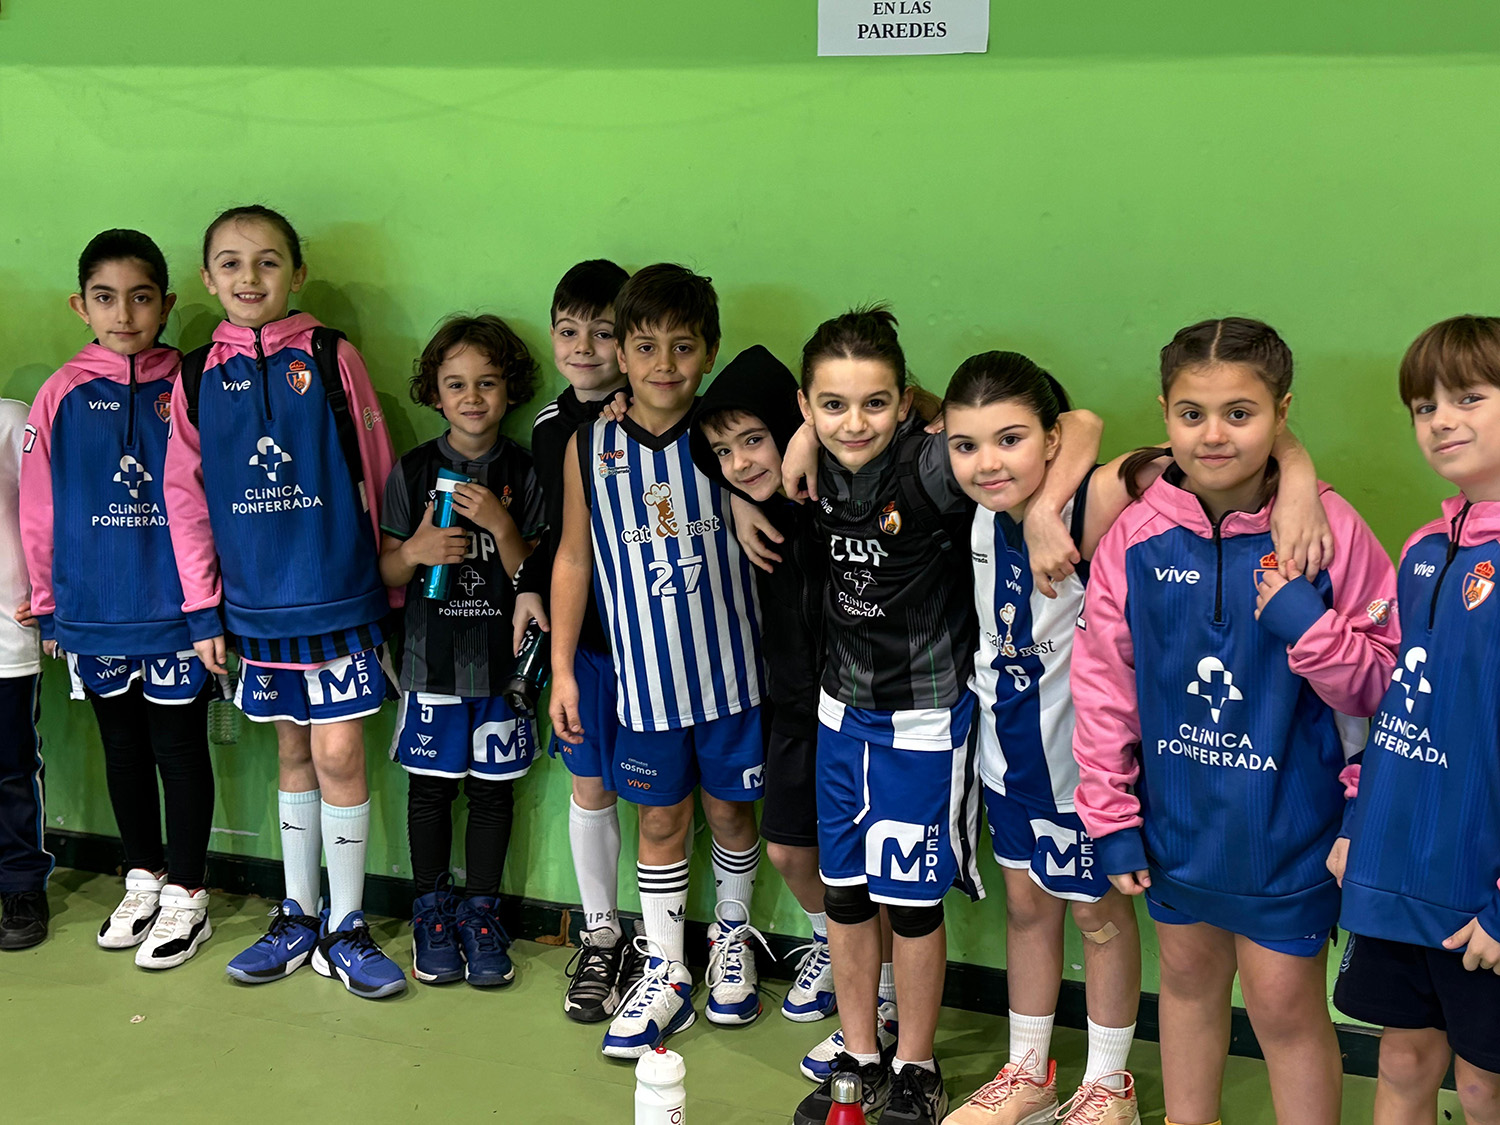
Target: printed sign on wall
{"type": "Point", "coordinates": [903, 27]}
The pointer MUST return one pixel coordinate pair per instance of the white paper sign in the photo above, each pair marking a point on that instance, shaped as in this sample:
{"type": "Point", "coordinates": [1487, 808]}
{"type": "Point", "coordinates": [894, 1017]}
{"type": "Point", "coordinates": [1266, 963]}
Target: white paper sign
{"type": "Point", "coordinates": [903, 27]}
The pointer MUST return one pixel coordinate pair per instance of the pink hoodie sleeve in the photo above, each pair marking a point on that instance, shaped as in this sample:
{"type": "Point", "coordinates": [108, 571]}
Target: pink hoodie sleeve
{"type": "Point", "coordinates": [36, 498]}
{"type": "Point", "coordinates": [376, 454]}
{"type": "Point", "coordinates": [187, 513]}
{"type": "Point", "coordinates": [1107, 731]}
{"type": "Point", "coordinates": [1348, 653]}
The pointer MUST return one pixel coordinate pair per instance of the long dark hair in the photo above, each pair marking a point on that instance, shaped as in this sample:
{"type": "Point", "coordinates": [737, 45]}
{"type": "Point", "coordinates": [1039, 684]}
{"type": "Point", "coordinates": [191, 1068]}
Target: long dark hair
{"type": "Point", "coordinates": [265, 215]}
{"type": "Point", "coordinates": [1007, 377]}
{"type": "Point", "coordinates": [867, 332]}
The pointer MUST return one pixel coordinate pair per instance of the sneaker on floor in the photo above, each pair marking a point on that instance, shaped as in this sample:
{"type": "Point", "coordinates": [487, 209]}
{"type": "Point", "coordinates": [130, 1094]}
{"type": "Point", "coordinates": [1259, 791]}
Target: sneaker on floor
{"type": "Point", "coordinates": [436, 956]}
{"type": "Point", "coordinates": [660, 1004]}
{"type": "Point", "coordinates": [1016, 1096]}
{"type": "Point", "coordinates": [23, 919]}
{"type": "Point", "coordinates": [917, 1097]}
{"type": "Point", "coordinates": [817, 1064]}
{"type": "Point", "coordinates": [487, 962]}
{"type": "Point", "coordinates": [875, 1085]}
{"type": "Point", "coordinates": [632, 959]}
{"type": "Point", "coordinates": [283, 949]}
{"type": "Point", "coordinates": [181, 927]}
{"type": "Point", "coordinates": [733, 984]}
{"type": "Point", "coordinates": [1098, 1104]}
{"type": "Point", "coordinates": [350, 955]}
{"type": "Point", "coordinates": [133, 918]}
{"type": "Point", "coordinates": [593, 976]}
{"type": "Point", "coordinates": [811, 996]}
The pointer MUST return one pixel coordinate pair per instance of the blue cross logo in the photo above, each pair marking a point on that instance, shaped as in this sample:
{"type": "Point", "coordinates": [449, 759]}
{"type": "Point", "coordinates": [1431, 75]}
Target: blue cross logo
{"type": "Point", "coordinates": [132, 475]}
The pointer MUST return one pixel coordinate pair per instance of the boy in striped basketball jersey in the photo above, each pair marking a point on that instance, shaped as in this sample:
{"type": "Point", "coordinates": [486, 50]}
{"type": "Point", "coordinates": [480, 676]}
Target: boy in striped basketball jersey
{"type": "Point", "coordinates": [653, 534]}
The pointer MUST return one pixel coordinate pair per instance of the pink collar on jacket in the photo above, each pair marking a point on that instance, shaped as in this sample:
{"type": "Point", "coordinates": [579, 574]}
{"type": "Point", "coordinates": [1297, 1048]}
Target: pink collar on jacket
{"type": "Point", "coordinates": [1481, 525]}
{"type": "Point", "coordinates": [1185, 510]}
{"type": "Point", "coordinates": [98, 362]}
{"type": "Point", "coordinates": [273, 337]}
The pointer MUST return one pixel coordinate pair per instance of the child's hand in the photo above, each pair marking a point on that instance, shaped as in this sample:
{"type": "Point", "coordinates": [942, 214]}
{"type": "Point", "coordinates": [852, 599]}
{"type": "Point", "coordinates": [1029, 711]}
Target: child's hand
{"type": "Point", "coordinates": [615, 408]}
{"type": "Point", "coordinates": [1051, 548]}
{"type": "Point", "coordinates": [1483, 950]}
{"type": "Point", "coordinates": [50, 648]}
{"type": "Point", "coordinates": [1265, 589]}
{"type": "Point", "coordinates": [567, 723]}
{"type": "Point", "coordinates": [24, 615]}
{"type": "Point", "coordinates": [478, 504]}
{"type": "Point", "coordinates": [431, 545]}
{"type": "Point", "coordinates": [1134, 883]}
{"type": "Point", "coordinates": [1301, 534]}
{"type": "Point", "coordinates": [750, 524]}
{"type": "Point", "coordinates": [1338, 858]}
{"type": "Point", "coordinates": [529, 608]}
{"type": "Point", "coordinates": [799, 465]}
{"type": "Point", "coordinates": [212, 653]}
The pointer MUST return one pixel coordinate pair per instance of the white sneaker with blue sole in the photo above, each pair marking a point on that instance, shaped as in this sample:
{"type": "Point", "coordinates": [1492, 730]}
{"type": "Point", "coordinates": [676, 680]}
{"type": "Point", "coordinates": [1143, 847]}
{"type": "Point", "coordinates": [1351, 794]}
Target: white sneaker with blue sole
{"type": "Point", "coordinates": [817, 1064]}
{"type": "Point", "coordinates": [660, 1004]}
{"type": "Point", "coordinates": [811, 996]}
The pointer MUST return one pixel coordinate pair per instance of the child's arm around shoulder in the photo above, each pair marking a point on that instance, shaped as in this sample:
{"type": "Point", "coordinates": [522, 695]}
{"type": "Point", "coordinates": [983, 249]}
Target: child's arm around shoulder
{"type": "Point", "coordinates": [572, 578]}
{"type": "Point", "coordinates": [1049, 544]}
{"type": "Point", "coordinates": [1347, 651]}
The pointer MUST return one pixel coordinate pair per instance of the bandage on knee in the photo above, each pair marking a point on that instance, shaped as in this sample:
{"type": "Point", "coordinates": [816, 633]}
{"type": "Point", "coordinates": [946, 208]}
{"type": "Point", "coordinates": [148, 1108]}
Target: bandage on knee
{"type": "Point", "coordinates": [1102, 935]}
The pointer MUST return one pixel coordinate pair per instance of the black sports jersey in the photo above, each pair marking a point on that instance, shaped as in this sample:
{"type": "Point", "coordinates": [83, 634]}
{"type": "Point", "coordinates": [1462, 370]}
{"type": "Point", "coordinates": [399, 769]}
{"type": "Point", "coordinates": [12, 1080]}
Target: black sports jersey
{"type": "Point", "coordinates": [462, 646]}
{"type": "Point", "coordinates": [899, 626]}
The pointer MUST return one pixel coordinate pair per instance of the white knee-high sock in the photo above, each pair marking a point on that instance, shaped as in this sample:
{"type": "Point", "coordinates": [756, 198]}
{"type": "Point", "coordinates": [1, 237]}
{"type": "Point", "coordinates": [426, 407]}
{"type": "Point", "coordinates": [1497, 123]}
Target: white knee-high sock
{"type": "Point", "coordinates": [664, 906]}
{"type": "Point", "coordinates": [301, 847]}
{"type": "Point", "coordinates": [595, 836]}
{"type": "Point", "coordinates": [734, 880]}
{"type": "Point", "coordinates": [346, 834]}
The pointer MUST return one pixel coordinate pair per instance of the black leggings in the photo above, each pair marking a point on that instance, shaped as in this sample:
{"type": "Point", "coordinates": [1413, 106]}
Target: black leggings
{"type": "Point", "coordinates": [429, 828]}
{"type": "Point", "coordinates": [142, 739]}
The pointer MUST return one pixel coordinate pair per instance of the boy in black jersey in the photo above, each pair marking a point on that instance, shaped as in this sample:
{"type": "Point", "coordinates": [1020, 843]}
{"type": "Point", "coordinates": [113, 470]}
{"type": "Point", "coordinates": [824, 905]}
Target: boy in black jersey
{"type": "Point", "coordinates": [583, 347]}
{"type": "Point", "coordinates": [454, 724]}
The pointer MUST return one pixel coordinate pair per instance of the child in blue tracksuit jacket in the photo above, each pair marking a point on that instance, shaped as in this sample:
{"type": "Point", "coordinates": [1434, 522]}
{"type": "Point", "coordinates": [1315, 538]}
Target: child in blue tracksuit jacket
{"type": "Point", "coordinates": [1421, 860]}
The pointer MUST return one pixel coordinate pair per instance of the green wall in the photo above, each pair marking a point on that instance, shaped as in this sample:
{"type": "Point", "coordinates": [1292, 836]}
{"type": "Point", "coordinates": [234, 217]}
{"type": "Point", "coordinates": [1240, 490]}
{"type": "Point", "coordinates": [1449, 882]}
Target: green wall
{"type": "Point", "coordinates": [1099, 179]}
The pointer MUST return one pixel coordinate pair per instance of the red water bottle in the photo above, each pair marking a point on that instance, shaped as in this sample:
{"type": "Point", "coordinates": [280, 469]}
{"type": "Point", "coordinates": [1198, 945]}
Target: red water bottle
{"type": "Point", "coordinates": [847, 1093]}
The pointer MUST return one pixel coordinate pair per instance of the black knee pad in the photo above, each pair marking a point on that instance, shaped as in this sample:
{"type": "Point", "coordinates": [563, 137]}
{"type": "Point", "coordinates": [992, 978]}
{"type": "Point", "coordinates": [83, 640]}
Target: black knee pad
{"type": "Point", "coordinates": [914, 921]}
{"type": "Point", "coordinates": [849, 906]}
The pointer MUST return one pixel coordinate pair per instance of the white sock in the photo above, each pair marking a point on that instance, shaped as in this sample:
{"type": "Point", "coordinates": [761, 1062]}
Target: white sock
{"type": "Point", "coordinates": [664, 906]}
{"type": "Point", "coordinates": [819, 923]}
{"type": "Point", "coordinates": [301, 847]}
{"type": "Point", "coordinates": [734, 880]}
{"type": "Point", "coordinates": [1031, 1035]}
{"type": "Point", "coordinates": [346, 832]}
{"type": "Point", "coordinates": [595, 836]}
{"type": "Point", "coordinates": [898, 1065]}
{"type": "Point", "coordinates": [1109, 1050]}
{"type": "Point", "coordinates": [887, 981]}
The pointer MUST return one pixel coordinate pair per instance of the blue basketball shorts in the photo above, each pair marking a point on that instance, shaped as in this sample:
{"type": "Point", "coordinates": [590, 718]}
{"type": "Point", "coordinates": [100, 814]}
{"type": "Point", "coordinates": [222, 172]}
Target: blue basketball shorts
{"type": "Point", "coordinates": [1052, 847]}
{"type": "Point", "coordinates": [597, 693]}
{"type": "Point", "coordinates": [172, 679]}
{"type": "Point", "coordinates": [349, 687]}
{"type": "Point", "coordinates": [725, 757]}
{"type": "Point", "coordinates": [449, 736]}
{"type": "Point", "coordinates": [1309, 946]}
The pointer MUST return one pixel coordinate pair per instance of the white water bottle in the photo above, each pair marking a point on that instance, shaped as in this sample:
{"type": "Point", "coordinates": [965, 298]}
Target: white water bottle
{"type": "Point", "coordinates": [659, 1091]}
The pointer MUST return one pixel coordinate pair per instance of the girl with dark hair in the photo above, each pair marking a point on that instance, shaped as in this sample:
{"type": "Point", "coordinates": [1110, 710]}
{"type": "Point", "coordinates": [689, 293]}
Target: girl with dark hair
{"type": "Point", "coordinates": [105, 590]}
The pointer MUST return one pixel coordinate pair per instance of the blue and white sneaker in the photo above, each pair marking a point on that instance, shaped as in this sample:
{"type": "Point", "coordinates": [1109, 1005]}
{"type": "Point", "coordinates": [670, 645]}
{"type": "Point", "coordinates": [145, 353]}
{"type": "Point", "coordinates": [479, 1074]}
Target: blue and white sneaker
{"type": "Point", "coordinates": [486, 944]}
{"type": "Point", "coordinates": [661, 1004]}
{"type": "Point", "coordinates": [733, 986]}
{"type": "Point", "coordinates": [351, 956]}
{"type": "Point", "coordinates": [436, 956]}
{"type": "Point", "coordinates": [811, 996]}
{"type": "Point", "coordinates": [286, 945]}
{"type": "Point", "coordinates": [817, 1064]}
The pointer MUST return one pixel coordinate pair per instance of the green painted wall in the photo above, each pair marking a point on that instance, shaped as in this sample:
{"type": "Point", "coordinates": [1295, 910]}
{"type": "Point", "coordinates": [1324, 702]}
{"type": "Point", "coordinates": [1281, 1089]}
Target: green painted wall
{"type": "Point", "coordinates": [1099, 179]}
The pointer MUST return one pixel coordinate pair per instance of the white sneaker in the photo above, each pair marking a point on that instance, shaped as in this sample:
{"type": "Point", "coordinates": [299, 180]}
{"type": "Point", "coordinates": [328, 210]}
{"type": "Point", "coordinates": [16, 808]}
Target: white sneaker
{"type": "Point", "coordinates": [733, 985]}
{"type": "Point", "coordinates": [811, 996]}
{"type": "Point", "coordinates": [132, 919]}
{"type": "Point", "coordinates": [817, 1064]}
{"type": "Point", "coordinates": [181, 927]}
{"type": "Point", "coordinates": [660, 1004]}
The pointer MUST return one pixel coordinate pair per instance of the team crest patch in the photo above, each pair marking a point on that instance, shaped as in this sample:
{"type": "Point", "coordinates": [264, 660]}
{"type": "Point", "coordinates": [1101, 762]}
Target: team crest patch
{"type": "Point", "coordinates": [1378, 611]}
{"type": "Point", "coordinates": [612, 463]}
{"type": "Point", "coordinates": [506, 496]}
{"type": "Point", "coordinates": [1268, 563]}
{"type": "Point", "coordinates": [890, 519]}
{"type": "Point", "coordinates": [164, 405]}
{"type": "Point", "coordinates": [1479, 584]}
{"type": "Point", "coordinates": [299, 377]}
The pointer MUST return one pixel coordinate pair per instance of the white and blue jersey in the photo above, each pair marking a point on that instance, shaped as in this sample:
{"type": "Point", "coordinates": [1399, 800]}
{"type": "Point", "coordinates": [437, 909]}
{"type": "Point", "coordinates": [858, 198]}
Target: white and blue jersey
{"type": "Point", "coordinates": [673, 581]}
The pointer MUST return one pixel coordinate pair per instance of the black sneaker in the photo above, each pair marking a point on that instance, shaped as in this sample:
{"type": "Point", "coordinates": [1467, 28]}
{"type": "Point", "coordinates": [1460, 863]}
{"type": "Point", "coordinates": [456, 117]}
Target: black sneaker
{"type": "Point", "coordinates": [917, 1097]}
{"type": "Point", "coordinates": [593, 995]}
{"type": "Point", "coordinates": [632, 962]}
{"type": "Point", "coordinates": [23, 919]}
{"type": "Point", "coordinates": [875, 1081]}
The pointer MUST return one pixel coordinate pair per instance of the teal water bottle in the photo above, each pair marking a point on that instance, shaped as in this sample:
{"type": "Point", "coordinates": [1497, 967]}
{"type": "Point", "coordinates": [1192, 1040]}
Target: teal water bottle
{"type": "Point", "coordinates": [435, 585]}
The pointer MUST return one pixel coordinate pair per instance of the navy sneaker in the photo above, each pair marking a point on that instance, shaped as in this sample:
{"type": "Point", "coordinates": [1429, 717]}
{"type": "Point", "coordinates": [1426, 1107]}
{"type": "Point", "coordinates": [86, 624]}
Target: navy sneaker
{"type": "Point", "coordinates": [486, 944]}
{"type": "Point", "coordinates": [436, 957]}
{"type": "Point", "coordinates": [283, 949]}
{"type": "Point", "coordinates": [351, 956]}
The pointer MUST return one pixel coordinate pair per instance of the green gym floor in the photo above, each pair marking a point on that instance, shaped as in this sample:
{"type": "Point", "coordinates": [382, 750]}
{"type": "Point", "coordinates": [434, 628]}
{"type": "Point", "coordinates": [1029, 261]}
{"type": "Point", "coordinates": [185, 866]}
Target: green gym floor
{"type": "Point", "coordinates": [89, 1037]}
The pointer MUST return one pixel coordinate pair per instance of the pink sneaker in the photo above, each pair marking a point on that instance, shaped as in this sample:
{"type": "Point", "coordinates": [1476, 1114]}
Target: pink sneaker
{"type": "Point", "coordinates": [1098, 1104]}
{"type": "Point", "coordinates": [1017, 1096]}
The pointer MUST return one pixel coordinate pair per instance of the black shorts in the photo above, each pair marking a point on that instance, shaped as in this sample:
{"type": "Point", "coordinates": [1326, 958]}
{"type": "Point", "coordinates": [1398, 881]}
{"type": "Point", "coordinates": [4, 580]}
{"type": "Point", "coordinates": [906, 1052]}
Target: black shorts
{"type": "Point", "coordinates": [790, 813]}
{"type": "Point", "coordinates": [1393, 984]}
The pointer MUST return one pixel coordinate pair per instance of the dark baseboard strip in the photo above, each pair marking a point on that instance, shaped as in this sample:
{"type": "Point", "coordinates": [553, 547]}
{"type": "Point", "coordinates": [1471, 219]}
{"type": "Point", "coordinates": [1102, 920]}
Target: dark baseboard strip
{"type": "Point", "coordinates": [974, 988]}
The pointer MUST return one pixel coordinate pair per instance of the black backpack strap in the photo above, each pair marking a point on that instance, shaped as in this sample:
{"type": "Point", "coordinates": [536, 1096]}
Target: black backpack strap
{"type": "Point", "coordinates": [1075, 525]}
{"type": "Point", "coordinates": [325, 353]}
{"type": "Point", "coordinates": [191, 378]}
{"type": "Point", "coordinates": [919, 506]}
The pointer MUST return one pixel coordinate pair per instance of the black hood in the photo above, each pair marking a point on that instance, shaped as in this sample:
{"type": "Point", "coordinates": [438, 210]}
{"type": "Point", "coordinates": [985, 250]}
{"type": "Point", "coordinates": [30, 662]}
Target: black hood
{"type": "Point", "coordinates": [758, 383]}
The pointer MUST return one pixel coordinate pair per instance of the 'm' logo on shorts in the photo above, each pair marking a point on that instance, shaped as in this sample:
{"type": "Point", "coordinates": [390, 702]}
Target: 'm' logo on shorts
{"type": "Point", "coordinates": [1066, 851]}
{"type": "Point", "coordinates": [754, 777]}
{"type": "Point", "coordinates": [902, 852]}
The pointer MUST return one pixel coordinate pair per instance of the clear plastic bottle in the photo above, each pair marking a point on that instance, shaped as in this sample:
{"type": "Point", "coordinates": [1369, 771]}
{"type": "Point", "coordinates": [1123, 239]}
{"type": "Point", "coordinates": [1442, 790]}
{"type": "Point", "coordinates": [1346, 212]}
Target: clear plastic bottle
{"type": "Point", "coordinates": [660, 1096]}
